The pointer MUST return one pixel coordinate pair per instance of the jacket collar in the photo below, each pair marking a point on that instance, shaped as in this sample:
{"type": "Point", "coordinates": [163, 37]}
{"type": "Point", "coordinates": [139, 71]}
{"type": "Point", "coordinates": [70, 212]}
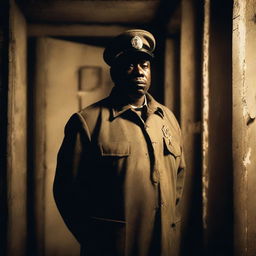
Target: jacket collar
{"type": "Point", "coordinates": [119, 105]}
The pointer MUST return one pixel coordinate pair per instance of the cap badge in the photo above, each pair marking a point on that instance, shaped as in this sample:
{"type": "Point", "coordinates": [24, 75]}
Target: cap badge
{"type": "Point", "coordinates": [136, 42]}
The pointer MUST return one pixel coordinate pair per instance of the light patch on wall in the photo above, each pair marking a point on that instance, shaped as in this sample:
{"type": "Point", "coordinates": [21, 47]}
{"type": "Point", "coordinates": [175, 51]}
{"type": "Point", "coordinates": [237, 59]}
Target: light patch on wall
{"type": "Point", "coordinates": [246, 160]}
{"type": "Point", "coordinates": [205, 112]}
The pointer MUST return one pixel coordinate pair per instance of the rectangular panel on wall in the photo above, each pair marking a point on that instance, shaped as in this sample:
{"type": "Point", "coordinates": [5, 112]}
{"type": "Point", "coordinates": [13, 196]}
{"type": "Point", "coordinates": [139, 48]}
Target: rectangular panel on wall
{"type": "Point", "coordinates": [90, 80]}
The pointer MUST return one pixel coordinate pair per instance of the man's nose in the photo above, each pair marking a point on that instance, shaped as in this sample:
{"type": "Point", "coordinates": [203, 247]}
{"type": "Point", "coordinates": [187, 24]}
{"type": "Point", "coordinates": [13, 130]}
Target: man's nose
{"type": "Point", "coordinates": [138, 70]}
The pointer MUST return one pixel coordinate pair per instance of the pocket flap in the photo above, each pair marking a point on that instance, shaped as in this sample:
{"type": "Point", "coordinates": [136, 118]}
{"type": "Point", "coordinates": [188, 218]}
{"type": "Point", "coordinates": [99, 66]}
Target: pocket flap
{"type": "Point", "coordinates": [120, 149]}
{"type": "Point", "coordinates": [171, 147]}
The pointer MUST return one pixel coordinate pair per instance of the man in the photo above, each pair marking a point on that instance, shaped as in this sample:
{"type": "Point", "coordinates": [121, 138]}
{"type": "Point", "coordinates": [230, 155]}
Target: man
{"type": "Point", "coordinates": [120, 168]}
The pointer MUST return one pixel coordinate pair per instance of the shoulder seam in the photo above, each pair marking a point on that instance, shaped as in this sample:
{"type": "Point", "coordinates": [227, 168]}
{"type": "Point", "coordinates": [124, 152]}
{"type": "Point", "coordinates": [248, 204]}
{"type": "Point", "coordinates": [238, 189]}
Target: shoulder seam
{"type": "Point", "coordinates": [84, 124]}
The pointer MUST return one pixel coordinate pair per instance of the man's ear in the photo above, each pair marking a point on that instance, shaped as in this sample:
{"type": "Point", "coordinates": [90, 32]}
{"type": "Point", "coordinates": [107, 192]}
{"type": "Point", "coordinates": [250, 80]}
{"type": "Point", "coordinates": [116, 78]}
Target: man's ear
{"type": "Point", "coordinates": [113, 73]}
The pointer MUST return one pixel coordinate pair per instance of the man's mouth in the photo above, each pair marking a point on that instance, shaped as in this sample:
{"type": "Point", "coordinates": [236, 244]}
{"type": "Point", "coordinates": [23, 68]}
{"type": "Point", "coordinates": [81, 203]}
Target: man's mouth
{"type": "Point", "coordinates": [138, 81]}
{"type": "Point", "coordinates": [139, 85]}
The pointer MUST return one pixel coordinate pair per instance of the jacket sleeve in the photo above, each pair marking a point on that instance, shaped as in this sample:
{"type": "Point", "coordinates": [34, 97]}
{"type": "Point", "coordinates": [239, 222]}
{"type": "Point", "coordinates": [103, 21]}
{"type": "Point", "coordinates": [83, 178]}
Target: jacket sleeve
{"type": "Point", "coordinates": [66, 188]}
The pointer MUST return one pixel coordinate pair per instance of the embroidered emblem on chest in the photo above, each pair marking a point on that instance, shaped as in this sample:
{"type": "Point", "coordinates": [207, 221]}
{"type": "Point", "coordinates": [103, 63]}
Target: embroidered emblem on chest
{"type": "Point", "coordinates": [166, 132]}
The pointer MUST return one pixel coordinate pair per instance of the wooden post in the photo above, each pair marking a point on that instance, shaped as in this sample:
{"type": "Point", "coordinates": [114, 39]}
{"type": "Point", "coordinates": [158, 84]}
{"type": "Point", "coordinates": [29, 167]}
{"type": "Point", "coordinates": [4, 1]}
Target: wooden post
{"type": "Point", "coordinates": [217, 171]}
{"type": "Point", "coordinates": [17, 135]}
{"type": "Point", "coordinates": [190, 104]}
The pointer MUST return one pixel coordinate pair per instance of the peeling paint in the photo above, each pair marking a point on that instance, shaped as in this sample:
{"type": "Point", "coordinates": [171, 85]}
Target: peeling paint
{"type": "Point", "coordinates": [247, 99]}
{"type": "Point", "coordinates": [240, 24]}
{"type": "Point", "coordinates": [242, 153]}
{"type": "Point", "coordinates": [246, 159]}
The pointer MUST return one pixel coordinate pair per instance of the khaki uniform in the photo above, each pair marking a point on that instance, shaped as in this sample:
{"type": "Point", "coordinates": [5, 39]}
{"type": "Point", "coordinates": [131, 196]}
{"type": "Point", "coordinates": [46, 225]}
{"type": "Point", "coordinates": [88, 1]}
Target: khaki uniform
{"type": "Point", "coordinates": [119, 179]}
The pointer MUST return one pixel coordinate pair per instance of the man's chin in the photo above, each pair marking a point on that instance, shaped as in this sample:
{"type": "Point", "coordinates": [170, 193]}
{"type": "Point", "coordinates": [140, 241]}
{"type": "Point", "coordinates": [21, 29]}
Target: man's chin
{"type": "Point", "coordinates": [138, 94]}
{"type": "Point", "coordinates": [135, 91]}
{"type": "Point", "coordinates": [140, 89]}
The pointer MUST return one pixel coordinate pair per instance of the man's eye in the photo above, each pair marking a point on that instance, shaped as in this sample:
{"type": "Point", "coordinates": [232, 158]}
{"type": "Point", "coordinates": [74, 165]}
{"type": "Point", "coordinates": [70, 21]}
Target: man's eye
{"type": "Point", "coordinates": [144, 65]}
{"type": "Point", "coordinates": [130, 66]}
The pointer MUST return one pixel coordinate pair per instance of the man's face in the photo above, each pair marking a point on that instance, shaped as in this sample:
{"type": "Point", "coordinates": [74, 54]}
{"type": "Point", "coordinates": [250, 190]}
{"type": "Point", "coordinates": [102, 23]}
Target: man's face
{"type": "Point", "coordinates": [133, 76]}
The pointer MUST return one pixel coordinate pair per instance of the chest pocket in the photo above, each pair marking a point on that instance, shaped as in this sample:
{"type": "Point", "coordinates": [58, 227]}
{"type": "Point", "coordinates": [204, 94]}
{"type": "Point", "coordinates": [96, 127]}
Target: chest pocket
{"type": "Point", "coordinates": [171, 147]}
{"type": "Point", "coordinates": [115, 149]}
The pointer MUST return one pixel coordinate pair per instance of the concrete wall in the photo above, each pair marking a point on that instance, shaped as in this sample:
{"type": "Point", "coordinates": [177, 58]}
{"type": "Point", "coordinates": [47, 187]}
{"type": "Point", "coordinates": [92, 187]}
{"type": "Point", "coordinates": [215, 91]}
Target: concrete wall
{"type": "Point", "coordinates": [17, 135]}
{"type": "Point", "coordinates": [244, 126]}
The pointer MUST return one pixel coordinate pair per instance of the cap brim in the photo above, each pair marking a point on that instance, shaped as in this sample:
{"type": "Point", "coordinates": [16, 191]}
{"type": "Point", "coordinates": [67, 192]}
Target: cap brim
{"type": "Point", "coordinates": [131, 54]}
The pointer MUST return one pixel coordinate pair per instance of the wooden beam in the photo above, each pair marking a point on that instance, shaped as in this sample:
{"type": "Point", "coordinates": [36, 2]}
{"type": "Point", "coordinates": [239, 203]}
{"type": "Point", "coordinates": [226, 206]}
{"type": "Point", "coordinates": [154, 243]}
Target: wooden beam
{"type": "Point", "coordinates": [90, 12]}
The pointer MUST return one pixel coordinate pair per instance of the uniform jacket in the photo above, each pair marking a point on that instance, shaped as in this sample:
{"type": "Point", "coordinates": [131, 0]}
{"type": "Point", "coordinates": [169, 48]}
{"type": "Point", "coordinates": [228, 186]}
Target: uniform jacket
{"type": "Point", "coordinates": [115, 172]}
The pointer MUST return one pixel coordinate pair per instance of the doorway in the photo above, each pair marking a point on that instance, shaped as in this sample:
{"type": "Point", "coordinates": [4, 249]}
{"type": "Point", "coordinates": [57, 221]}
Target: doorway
{"type": "Point", "coordinates": [67, 76]}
